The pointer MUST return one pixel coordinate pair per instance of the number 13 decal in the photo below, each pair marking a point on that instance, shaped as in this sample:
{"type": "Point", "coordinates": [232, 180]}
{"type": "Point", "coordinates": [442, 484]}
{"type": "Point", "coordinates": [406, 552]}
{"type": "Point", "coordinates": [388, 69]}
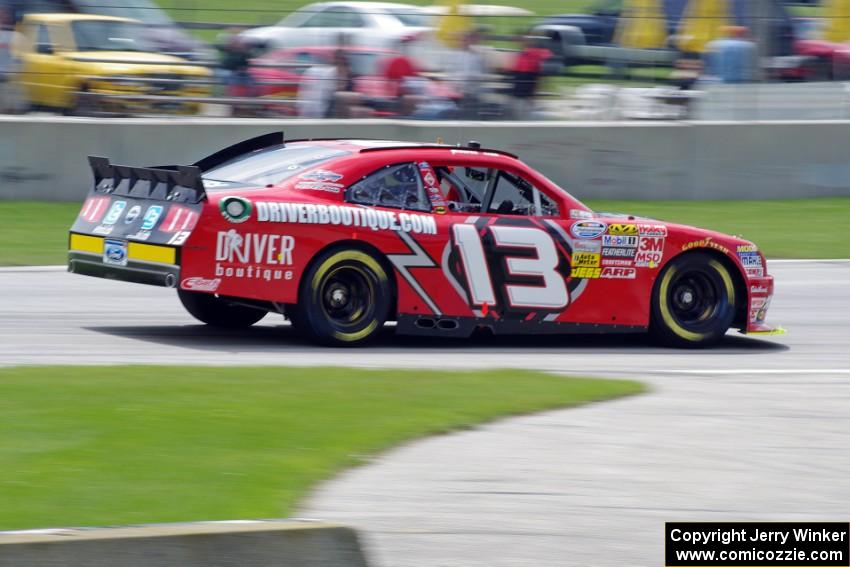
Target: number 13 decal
{"type": "Point", "coordinates": [551, 295]}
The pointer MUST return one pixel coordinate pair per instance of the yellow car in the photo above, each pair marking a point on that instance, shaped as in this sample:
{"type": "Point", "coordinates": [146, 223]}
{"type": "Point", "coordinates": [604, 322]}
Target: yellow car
{"type": "Point", "coordinates": [63, 55]}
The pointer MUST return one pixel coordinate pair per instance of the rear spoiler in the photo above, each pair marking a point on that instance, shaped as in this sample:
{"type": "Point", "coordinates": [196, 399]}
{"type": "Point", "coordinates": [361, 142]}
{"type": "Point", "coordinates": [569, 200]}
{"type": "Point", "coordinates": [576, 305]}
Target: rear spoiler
{"type": "Point", "coordinates": [179, 184]}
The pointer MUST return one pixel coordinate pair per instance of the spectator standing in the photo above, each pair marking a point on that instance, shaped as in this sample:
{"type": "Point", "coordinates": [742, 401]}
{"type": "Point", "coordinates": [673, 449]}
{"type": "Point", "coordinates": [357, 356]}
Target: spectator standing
{"type": "Point", "coordinates": [732, 59]}
{"type": "Point", "coordinates": [526, 72]}
{"type": "Point", "coordinates": [403, 80]}
{"type": "Point", "coordinates": [236, 54]}
{"type": "Point", "coordinates": [467, 75]}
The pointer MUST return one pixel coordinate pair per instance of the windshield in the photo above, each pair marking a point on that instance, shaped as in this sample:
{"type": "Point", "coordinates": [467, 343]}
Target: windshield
{"type": "Point", "coordinates": [109, 35]}
{"type": "Point", "coordinates": [142, 10]}
{"type": "Point", "coordinates": [272, 165]}
{"type": "Point", "coordinates": [411, 17]}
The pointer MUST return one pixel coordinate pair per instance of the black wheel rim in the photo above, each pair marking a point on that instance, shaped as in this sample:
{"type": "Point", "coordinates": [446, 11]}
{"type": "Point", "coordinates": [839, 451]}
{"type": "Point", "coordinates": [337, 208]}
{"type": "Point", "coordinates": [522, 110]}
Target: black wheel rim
{"type": "Point", "coordinates": [347, 298]}
{"type": "Point", "coordinates": [695, 299]}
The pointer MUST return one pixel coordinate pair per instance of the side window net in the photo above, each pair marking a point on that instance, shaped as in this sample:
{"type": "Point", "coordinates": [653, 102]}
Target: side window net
{"type": "Point", "coordinates": [396, 186]}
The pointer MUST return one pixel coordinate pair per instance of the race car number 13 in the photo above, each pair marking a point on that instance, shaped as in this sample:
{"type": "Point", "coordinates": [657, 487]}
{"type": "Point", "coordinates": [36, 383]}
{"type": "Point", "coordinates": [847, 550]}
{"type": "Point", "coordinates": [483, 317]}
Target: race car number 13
{"type": "Point", "coordinates": [552, 294]}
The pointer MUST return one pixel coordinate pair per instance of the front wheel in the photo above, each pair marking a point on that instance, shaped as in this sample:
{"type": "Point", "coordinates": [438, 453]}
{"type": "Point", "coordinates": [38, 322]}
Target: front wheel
{"type": "Point", "coordinates": [345, 298]}
{"type": "Point", "coordinates": [693, 303]}
{"type": "Point", "coordinates": [218, 312]}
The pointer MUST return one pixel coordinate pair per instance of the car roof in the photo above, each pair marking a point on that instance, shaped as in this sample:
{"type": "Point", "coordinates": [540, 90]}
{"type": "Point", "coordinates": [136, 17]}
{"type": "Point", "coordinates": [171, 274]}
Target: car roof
{"type": "Point", "coordinates": [375, 6]}
{"type": "Point", "coordinates": [369, 146]}
{"type": "Point", "coordinates": [61, 18]}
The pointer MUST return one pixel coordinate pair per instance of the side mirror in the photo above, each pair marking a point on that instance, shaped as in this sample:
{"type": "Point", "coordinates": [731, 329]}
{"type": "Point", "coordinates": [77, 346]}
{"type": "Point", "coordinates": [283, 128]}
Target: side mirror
{"type": "Point", "coordinates": [44, 48]}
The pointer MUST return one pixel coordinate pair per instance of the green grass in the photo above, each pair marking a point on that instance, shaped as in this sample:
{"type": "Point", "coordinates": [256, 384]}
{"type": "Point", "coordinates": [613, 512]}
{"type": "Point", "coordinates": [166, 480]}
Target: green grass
{"type": "Point", "coordinates": [135, 444]}
{"type": "Point", "coordinates": [804, 228]}
{"type": "Point", "coordinates": [36, 233]}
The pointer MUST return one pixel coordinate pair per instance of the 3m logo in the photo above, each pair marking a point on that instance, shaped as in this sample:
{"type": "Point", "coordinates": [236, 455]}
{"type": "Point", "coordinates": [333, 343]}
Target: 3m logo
{"type": "Point", "coordinates": [94, 209]}
{"type": "Point", "coordinates": [178, 219]}
{"type": "Point", "coordinates": [651, 244]}
{"type": "Point", "coordinates": [623, 229]}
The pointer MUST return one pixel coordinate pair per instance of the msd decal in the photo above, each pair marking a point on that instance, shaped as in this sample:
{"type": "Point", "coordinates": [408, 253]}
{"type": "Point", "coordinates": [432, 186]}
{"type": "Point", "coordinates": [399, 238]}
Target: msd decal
{"type": "Point", "coordinates": [650, 252]}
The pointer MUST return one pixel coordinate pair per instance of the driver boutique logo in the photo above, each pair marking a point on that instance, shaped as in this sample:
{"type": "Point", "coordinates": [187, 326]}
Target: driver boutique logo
{"type": "Point", "coordinates": [253, 256]}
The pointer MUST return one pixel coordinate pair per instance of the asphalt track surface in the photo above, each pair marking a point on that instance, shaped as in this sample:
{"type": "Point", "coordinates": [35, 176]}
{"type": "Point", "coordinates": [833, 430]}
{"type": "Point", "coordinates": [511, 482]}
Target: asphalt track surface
{"type": "Point", "coordinates": [753, 429]}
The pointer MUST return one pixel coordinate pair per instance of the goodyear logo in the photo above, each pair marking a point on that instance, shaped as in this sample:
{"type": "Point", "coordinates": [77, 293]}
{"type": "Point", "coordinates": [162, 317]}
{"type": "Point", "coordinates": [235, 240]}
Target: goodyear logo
{"type": "Point", "coordinates": [585, 260]}
{"type": "Point", "coordinates": [587, 273]}
{"type": "Point", "coordinates": [623, 229]}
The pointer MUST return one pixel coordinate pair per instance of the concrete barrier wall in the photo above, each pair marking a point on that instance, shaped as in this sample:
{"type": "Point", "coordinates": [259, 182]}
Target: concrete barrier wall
{"type": "Point", "coordinates": [203, 544]}
{"type": "Point", "coordinates": [45, 158]}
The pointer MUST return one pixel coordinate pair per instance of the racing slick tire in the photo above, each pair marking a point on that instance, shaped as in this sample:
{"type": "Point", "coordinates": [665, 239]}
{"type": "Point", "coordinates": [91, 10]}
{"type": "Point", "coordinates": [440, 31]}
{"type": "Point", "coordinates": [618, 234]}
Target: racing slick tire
{"type": "Point", "coordinates": [693, 301]}
{"type": "Point", "coordinates": [218, 312]}
{"type": "Point", "coordinates": [345, 298]}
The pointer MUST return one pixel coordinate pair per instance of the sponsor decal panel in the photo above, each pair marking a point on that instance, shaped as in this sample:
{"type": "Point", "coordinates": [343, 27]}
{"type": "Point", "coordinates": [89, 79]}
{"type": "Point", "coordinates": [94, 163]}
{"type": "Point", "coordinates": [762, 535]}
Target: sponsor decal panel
{"type": "Point", "coordinates": [201, 284]}
{"type": "Point", "coordinates": [179, 219]}
{"type": "Point", "coordinates": [132, 214]}
{"type": "Point", "coordinates": [586, 273]}
{"type": "Point", "coordinates": [432, 188]}
{"type": "Point", "coordinates": [623, 229]}
{"type": "Point", "coordinates": [94, 208]}
{"type": "Point", "coordinates": [251, 255]}
{"type": "Point", "coordinates": [593, 246]}
{"type": "Point", "coordinates": [588, 229]}
{"type": "Point", "coordinates": [759, 289]}
{"type": "Point", "coordinates": [343, 215]}
{"type": "Point", "coordinates": [152, 216]}
{"type": "Point", "coordinates": [618, 273]}
{"type": "Point", "coordinates": [115, 212]}
{"type": "Point", "coordinates": [650, 252]}
{"type": "Point", "coordinates": [322, 176]}
{"type": "Point", "coordinates": [652, 230]}
{"type": "Point", "coordinates": [747, 248]}
{"type": "Point", "coordinates": [579, 214]}
{"type": "Point", "coordinates": [619, 253]}
{"type": "Point", "coordinates": [115, 252]}
{"type": "Point", "coordinates": [320, 186]}
{"type": "Point", "coordinates": [617, 262]}
{"type": "Point", "coordinates": [619, 241]}
{"type": "Point", "coordinates": [585, 260]}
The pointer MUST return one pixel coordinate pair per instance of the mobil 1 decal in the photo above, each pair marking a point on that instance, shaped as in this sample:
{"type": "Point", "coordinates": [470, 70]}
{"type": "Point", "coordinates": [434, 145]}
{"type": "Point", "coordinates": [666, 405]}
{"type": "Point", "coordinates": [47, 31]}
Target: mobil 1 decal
{"type": "Point", "coordinates": [512, 268]}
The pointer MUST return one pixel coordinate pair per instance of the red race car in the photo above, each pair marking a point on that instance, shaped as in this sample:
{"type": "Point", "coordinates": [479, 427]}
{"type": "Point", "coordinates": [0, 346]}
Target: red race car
{"type": "Point", "coordinates": [341, 236]}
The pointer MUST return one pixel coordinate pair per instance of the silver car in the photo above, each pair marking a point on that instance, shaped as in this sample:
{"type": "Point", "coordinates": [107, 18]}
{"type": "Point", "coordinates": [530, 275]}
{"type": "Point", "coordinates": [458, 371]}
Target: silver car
{"type": "Point", "coordinates": [371, 24]}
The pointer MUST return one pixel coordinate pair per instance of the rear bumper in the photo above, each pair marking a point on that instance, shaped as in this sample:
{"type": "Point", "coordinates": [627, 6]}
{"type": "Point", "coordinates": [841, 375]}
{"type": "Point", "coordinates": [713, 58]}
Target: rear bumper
{"type": "Point", "coordinates": [146, 263]}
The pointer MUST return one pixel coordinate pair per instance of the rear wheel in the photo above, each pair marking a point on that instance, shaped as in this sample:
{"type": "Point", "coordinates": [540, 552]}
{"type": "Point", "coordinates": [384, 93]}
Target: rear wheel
{"type": "Point", "coordinates": [693, 303]}
{"type": "Point", "coordinates": [345, 298]}
{"type": "Point", "coordinates": [218, 312]}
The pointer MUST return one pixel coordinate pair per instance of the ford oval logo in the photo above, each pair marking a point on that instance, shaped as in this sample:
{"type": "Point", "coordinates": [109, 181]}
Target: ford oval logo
{"type": "Point", "coordinates": [588, 229]}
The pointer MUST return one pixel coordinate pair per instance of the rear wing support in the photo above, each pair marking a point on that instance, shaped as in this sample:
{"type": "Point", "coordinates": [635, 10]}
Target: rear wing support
{"type": "Point", "coordinates": [180, 183]}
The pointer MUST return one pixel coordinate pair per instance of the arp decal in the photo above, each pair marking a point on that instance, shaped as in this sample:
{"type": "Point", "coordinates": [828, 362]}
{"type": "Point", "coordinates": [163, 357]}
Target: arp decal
{"type": "Point", "coordinates": [618, 273]}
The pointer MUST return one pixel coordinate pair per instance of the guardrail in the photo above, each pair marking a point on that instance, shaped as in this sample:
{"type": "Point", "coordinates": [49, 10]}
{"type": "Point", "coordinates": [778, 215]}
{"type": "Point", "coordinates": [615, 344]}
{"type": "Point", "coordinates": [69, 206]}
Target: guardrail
{"type": "Point", "coordinates": [44, 158]}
